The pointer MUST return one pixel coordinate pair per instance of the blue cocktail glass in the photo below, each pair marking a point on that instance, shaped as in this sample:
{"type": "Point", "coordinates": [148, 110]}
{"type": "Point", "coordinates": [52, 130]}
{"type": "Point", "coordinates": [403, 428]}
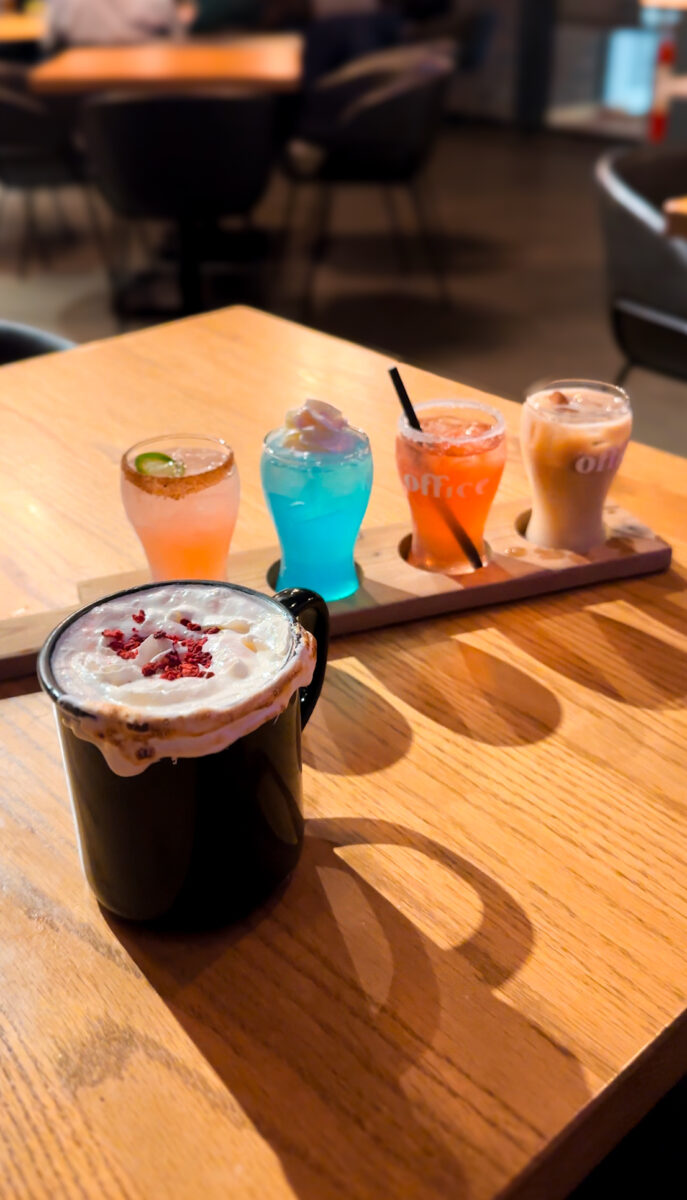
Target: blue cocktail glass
{"type": "Point", "coordinates": [317, 500]}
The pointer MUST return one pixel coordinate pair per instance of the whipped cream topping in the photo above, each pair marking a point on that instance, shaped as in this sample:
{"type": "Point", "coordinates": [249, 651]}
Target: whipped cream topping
{"type": "Point", "coordinates": [321, 428]}
{"type": "Point", "coordinates": [178, 670]}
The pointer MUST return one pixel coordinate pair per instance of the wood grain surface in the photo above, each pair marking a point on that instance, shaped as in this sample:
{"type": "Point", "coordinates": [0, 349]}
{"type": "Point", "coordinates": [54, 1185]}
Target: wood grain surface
{"type": "Point", "coordinates": [475, 982]}
{"type": "Point", "coordinates": [272, 61]}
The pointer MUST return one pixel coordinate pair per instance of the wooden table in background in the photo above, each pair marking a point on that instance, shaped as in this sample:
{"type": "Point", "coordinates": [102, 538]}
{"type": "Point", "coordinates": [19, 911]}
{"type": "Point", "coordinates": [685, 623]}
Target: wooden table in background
{"type": "Point", "coordinates": [269, 61]}
{"type": "Point", "coordinates": [475, 982]}
{"type": "Point", "coordinates": [22, 27]}
{"type": "Point", "coordinates": [675, 212]}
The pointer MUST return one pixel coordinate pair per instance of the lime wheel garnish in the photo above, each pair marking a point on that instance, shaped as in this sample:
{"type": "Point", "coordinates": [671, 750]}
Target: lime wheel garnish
{"type": "Point", "coordinates": [156, 463]}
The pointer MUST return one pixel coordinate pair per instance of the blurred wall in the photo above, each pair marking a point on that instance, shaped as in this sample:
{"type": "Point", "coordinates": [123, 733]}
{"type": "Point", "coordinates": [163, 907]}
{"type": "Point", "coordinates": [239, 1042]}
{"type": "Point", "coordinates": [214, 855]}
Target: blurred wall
{"type": "Point", "coordinates": [490, 91]}
{"type": "Point", "coordinates": [598, 12]}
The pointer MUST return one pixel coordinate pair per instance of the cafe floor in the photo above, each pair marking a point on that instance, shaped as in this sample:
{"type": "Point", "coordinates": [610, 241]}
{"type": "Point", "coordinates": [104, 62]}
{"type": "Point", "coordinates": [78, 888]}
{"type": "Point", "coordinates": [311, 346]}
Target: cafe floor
{"type": "Point", "coordinates": [522, 251]}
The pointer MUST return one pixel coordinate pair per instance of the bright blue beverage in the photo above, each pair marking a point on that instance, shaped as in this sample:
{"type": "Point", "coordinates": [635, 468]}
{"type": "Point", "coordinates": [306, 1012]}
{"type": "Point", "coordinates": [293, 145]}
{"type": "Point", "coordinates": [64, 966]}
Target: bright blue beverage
{"type": "Point", "coordinates": [317, 500]}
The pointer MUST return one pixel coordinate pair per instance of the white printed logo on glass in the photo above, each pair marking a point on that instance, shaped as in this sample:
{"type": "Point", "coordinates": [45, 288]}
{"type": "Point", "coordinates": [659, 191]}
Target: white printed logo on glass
{"type": "Point", "coordinates": [608, 460]}
{"type": "Point", "coordinates": [438, 486]}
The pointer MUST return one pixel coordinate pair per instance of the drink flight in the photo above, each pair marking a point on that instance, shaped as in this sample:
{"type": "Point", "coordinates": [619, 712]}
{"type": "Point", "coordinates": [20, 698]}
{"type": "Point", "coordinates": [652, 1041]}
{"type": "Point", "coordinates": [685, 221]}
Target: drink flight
{"type": "Point", "coordinates": [179, 710]}
{"type": "Point", "coordinates": [181, 492]}
{"type": "Point", "coordinates": [180, 705]}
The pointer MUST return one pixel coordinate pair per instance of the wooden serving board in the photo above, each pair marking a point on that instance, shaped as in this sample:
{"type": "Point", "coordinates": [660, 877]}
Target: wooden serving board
{"type": "Point", "coordinates": [392, 592]}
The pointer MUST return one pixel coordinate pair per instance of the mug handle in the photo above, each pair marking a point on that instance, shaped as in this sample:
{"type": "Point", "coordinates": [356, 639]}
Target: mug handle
{"type": "Point", "coordinates": [308, 605]}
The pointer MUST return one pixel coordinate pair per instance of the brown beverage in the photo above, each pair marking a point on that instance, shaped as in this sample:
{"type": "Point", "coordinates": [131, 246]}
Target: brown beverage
{"type": "Point", "coordinates": [573, 437]}
{"type": "Point", "coordinates": [179, 711]}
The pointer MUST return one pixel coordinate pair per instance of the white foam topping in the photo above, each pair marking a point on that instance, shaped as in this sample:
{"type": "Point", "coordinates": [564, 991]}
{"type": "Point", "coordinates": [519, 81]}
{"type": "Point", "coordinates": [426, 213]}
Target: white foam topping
{"type": "Point", "coordinates": [178, 671]}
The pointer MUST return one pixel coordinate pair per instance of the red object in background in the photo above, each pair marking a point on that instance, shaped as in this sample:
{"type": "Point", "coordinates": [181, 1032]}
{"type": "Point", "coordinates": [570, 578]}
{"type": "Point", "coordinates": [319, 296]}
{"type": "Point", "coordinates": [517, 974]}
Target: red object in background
{"type": "Point", "coordinates": [665, 66]}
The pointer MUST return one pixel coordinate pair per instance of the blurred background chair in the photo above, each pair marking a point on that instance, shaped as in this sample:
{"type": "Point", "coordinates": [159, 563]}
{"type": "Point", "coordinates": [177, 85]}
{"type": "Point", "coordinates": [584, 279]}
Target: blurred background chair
{"type": "Point", "coordinates": [36, 152]}
{"type": "Point", "coordinates": [218, 16]}
{"type": "Point", "coordinates": [23, 341]}
{"type": "Point", "coordinates": [331, 42]}
{"type": "Point", "coordinates": [189, 159]}
{"type": "Point", "coordinates": [647, 270]}
{"type": "Point", "coordinates": [373, 122]}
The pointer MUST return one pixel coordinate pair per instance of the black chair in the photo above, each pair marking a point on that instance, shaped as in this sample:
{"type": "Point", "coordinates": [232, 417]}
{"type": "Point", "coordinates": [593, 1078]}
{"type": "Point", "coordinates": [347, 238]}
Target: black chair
{"type": "Point", "coordinates": [647, 270]}
{"type": "Point", "coordinates": [23, 341]}
{"type": "Point", "coordinates": [374, 123]}
{"type": "Point", "coordinates": [36, 152]}
{"type": "Point", "coordinates": [331, 42]}
{"type": "Point", "coordinates": [190, 159]}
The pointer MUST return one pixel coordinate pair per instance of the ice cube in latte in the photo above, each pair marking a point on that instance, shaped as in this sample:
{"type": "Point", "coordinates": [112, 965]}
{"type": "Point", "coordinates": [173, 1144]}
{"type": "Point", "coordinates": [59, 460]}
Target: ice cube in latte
{"type": "Point", "coordinates": [573, 437]}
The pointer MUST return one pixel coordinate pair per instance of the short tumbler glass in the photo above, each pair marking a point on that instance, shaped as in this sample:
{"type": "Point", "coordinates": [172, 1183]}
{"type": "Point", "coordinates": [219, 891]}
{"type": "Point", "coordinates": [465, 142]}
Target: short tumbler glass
{"type": "Point", "coordinates": [184, 519]}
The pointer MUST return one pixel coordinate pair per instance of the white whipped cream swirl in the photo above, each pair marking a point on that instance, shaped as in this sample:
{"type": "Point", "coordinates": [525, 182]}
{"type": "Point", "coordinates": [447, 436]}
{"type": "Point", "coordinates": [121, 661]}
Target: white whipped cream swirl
{"type": "Point", "coordinates": [258, 659]}
{"type": "Point", "coordinates": [321, 428]}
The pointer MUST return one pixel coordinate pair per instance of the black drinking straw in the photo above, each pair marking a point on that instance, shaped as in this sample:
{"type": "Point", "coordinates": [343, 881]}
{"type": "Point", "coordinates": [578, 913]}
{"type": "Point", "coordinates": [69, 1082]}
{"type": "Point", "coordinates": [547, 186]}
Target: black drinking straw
{"type": "Point", "coordinates": [466, 544]}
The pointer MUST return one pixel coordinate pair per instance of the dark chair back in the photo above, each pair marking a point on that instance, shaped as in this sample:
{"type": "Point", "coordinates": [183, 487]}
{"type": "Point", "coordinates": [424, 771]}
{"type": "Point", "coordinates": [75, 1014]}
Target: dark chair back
{"type": "Point", "coordinates": [23, 341]}
{"type": "Point", "coordinates": [25, 128]}
{"type": "Point", "coordinates": [184, 157]}
{"type": "Point", "coordinates": [387, 133]}
{"type": "Point", "coordinates": [335, 92]}
{"type": "Point", "coordinates": [647, 271]}
{"type": "Point", "coordinates": [331, 42]}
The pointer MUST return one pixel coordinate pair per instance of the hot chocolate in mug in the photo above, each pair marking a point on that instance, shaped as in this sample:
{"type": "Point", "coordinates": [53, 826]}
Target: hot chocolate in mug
{"type": "Point", "coordinates": [179, 709]}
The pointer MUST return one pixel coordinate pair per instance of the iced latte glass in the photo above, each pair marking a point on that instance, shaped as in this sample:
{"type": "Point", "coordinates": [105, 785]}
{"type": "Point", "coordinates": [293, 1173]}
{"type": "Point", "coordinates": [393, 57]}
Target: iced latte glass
{"type": "Point", "coordinates": [573, 437]}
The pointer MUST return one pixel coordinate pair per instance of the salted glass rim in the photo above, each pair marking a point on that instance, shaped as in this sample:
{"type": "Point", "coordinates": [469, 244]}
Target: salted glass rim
{"type": "Point", "coordinates": [152, 442]}
{"type": "Point", "coordinates": [498, 429]}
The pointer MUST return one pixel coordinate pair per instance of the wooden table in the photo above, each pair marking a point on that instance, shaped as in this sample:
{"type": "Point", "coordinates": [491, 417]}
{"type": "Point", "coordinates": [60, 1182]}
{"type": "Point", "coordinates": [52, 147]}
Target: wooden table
{"type": "Point", "coordinates": [271, 61]}
{"type": "Point", "coordinates": [22, 27]}
{"type": "Point", "coordinates": [476, 979]}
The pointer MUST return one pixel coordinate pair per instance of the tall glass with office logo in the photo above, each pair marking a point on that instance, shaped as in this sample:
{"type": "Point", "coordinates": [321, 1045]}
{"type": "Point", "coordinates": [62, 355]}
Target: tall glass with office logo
{"type": "Point", "coordinates": [573, 435]}
{"type": "Point", "coordinates": [450, 470]}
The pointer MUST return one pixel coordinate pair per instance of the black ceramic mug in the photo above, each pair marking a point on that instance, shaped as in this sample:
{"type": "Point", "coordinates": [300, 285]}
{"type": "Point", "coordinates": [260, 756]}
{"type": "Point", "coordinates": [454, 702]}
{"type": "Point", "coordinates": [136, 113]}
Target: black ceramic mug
{"type": "Point", "coordinates": [195, 841]}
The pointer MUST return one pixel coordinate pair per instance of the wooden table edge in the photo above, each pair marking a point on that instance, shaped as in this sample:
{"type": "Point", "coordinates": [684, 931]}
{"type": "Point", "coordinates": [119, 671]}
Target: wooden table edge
{"type": "Point", "coordinates": [161, 86]}
{"type": "Point", "coordinates": [601, 1125]}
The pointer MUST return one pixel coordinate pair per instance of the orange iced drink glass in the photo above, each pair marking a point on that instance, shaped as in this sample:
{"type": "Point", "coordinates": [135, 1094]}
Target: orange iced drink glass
{"type": "Point", "coordinates": [450, 468]}
{"type": "Point", "coordinates": [181, 494]}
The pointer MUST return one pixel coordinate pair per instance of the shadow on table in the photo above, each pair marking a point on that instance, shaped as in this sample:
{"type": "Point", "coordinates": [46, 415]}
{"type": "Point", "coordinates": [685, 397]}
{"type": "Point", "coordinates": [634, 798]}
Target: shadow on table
{"type": "Point", "coordinates": [357, 731]}
{"type": "Point", "coordinates": [375, 1060]}
{"type": "Point", "coordinates": [659, 591]}
{"type": "Point", "coordinates": [619, 660]}
{"type": "Point", "coordinates": [463, 687]}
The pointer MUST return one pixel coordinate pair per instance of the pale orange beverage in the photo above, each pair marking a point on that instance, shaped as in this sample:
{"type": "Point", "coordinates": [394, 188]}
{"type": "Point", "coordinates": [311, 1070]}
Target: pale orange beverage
{"type": "Point", "coordinates": [451, 468]}
{"type": "Point", "coordinates": [181, 494]}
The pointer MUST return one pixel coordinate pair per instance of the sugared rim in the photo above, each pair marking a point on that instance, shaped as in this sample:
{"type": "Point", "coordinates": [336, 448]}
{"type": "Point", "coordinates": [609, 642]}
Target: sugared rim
{"type": "Point", "coordinates": [44, 669]}
{"type": "Point", "coordinates": [563, 385]}
{"type": "Point", "coordinates": [422, 438]}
